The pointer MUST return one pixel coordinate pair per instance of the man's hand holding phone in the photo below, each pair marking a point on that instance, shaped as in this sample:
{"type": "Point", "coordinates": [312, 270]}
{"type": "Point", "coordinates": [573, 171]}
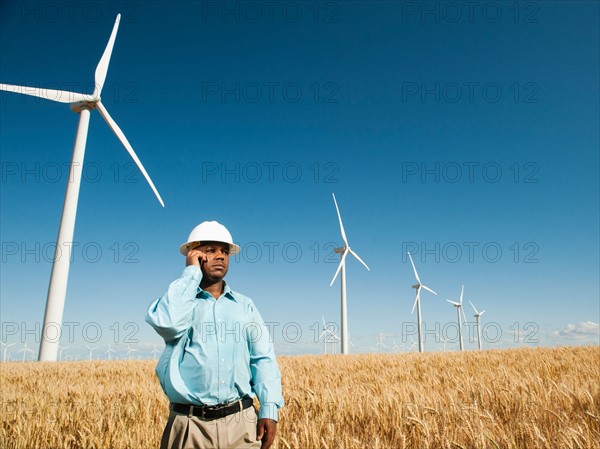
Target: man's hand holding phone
{"type": "Point", "coordinates": [195, 257]}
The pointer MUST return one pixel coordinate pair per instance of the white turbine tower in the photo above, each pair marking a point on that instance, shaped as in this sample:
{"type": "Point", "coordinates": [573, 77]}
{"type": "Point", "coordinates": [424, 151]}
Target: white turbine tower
{"type": "Point", "coordinates": [458, 306]}
{"type": "Point", "coordinates": [477, 315]}
{"type": "Point", "coordinates": [344, 250]}
{"type": "Point", "coordinates": [81, 104]}
{"type": "Point", "coordinates": [418, 286]}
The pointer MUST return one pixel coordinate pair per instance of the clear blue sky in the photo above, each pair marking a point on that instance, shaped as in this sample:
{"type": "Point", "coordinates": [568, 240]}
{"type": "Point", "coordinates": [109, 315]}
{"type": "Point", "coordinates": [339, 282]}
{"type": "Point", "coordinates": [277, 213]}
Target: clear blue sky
{"type": "Point", "coordinates": [467, 133]}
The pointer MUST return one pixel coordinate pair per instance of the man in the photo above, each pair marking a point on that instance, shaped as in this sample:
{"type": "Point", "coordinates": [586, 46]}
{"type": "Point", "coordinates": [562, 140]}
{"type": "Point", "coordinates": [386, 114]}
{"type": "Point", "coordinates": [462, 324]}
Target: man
{"type": "Point", "coordinates": [218, 353]}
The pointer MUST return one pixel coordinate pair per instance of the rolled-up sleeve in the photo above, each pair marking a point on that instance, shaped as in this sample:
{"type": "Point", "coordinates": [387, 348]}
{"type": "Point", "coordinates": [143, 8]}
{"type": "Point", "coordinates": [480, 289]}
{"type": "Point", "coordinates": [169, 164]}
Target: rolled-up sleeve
{"type": "Point", "coordinates": [266, 377]}
{"type": "Point", "coordinates": [172, 314]}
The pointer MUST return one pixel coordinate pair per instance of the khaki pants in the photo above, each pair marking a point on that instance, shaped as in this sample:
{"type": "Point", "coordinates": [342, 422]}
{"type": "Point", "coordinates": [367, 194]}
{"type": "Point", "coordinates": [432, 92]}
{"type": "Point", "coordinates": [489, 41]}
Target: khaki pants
{"type": "Point", "coordinates": [236, 431]}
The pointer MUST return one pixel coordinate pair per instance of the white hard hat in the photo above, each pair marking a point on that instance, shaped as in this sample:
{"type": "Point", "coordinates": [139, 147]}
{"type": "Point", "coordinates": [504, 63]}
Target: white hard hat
{"type": "Point", "coordinates": [209, 231]}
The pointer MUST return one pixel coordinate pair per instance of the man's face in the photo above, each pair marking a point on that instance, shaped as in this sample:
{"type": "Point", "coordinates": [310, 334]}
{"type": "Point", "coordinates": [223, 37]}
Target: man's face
{"type": "Point", "coordinates": [216, 266]}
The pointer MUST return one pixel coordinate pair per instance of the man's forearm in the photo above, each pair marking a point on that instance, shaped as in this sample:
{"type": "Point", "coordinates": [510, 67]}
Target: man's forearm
{"type": "Point", "coordinates": [171, 315]}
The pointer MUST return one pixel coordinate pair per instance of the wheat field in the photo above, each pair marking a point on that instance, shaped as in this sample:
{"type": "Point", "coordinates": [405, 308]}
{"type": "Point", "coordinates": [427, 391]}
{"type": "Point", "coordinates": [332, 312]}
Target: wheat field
{"type": "Point", "coordinates": [519, 398]}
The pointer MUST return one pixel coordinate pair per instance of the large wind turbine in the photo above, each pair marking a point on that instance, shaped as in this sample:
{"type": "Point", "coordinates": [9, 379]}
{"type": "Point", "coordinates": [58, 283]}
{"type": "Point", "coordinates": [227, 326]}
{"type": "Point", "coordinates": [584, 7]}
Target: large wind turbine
{"type": "Point", "coordinates": [418, 286]}
{"type": "Point", "coordinates": [81, 104]}
{"type": "Point", "coordinates": [458, 306]}
{"type": "Point", "coordinates": [477, 315]}
{"type": "Point", "coordinates": [344, 250]}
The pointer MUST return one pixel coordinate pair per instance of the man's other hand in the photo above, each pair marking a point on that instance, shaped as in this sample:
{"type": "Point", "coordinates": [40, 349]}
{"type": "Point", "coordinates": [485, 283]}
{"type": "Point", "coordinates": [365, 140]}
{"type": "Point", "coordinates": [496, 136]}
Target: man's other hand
{"type": "Point", "coordinates": [265, 431]}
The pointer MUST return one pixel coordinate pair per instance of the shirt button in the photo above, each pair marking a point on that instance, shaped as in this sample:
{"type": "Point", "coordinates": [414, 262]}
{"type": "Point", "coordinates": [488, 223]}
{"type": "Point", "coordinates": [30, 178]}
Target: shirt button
{"type": "Point", "coordinates": [222, 360]}
{"type": "Point", "coordinates": [222, 381]}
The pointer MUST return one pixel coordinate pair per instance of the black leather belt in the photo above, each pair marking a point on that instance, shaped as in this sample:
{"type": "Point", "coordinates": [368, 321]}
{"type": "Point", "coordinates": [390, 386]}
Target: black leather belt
{"type": "Point", "coordinates": [209, 412]}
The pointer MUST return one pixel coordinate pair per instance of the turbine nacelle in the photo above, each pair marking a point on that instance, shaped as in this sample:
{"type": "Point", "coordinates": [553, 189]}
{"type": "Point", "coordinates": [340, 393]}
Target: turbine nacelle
{"type": "Point", "coordinates": [79, 106]}
{"type": "Point", "coordinates": [477, 314]}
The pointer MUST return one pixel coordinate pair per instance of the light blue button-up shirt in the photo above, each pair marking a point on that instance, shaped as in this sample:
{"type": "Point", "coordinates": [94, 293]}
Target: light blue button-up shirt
{"type": "Point", "coordinates": [217, 351]}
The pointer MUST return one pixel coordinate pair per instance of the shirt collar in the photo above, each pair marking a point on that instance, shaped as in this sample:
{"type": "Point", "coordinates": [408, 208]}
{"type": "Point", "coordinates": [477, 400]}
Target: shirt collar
{"type": "Point", "coordinates": [227, 292]}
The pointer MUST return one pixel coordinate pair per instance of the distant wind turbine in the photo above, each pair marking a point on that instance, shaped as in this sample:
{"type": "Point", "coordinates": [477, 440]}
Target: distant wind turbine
{"type": "Point", "coordinates": [25, 350]}
{"type": "Point", "coordinates": [334, 339]}
{"type": "Point", "coordinates": [477, 315]}
{"type": "Point", "coordinates": [412, 343]}
{"type": "Point", "coordinates": [108, 352]}
{"type": "Point", "coordinates": [344, 250]}
{"type": "Point", "coordinates": [444, 340]}
{"type": "Point", "coordinates": [81, 104]}
{"type": "Point", "coordinates": [325, 335]}
{"type": "Point", "coordinates": [350, 342]}
{"type": "Point", "coordinates": [6, 346]}
{"type": "Point", "coordinates": [418, 286]}
{"type": "Point", "coordinates": [380, 341]}
{"type": "Point", "coordinates": [458, 306]}
{"type": "Point", "coordinates": [129, 351]}
{"type": "Point", "coordinates": [155, 351]}
{"type": "Point", "coordinates": [91, 350]}
{"type": "Point", "coordinates": [60, 352]}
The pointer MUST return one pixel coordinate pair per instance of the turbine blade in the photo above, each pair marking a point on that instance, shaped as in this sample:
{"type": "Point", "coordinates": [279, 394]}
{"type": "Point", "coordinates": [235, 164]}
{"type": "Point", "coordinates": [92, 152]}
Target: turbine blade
{"type": "Point", "coordinates": [339, 266]}
{"type": "Point", "coordinates": [474, 308]}
{"type": "Point", "coordinates": [482, 312]}
{"type": "Point", "coordinates": [462, 291]}
{"type": "Point", "coordinates": [359, 259]}
{"type": "Point", "coordinates": [324, 325]}
{"type": "Point", "coordinates": [102, 68]}
{"type": "Point", "coordinates": [104, 113]}
{"type": "Point", "coordinates": [453, 302]}
{"type": "Point", "coordinates": [428, 289]}
{"type": "Point", "coordinates": [417, 298]}
{"type": "Point", "coordinates": [60, 96]}
{"type": "Point", "coordinates": [463, 312]}
{"type": "Point", "coordinates": [340, 218]}
{"type": "Point", "coordinates": [414, 268]}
